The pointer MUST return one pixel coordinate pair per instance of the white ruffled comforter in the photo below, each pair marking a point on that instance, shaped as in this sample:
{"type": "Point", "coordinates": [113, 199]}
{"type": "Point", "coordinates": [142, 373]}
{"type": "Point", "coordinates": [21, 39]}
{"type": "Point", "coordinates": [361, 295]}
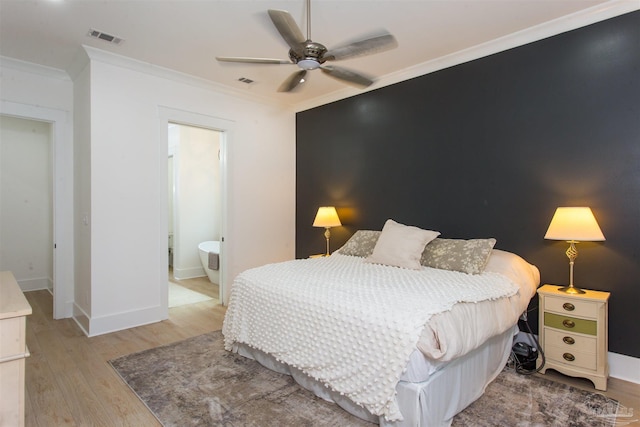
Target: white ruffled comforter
{"type": "Point", "coordinates": [350, 324]}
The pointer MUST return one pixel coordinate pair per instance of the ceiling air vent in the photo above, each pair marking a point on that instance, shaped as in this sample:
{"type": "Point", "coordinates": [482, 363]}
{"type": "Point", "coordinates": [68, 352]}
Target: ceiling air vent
{"type": "Point", "coordinates": [245, 80]}
{"type": "Point", "coordinates": [104, 36]}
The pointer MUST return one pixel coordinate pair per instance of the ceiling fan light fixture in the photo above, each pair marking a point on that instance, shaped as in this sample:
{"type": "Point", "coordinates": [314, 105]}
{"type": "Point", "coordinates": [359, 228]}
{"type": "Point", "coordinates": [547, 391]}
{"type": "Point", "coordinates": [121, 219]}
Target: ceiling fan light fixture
{"type": "Point", "coordinates": [308, 64]}
{"type": "Point", "coordinates": [309, 55]}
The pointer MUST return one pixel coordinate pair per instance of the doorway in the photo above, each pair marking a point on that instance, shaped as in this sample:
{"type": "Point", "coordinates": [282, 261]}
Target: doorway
{"type": "Point", "coordinates": [194, 213]}
{"type": "Point", "coordinates": [60, 163]}
{"type": "Point", "coordinates": [224, 129]}
{"type": "Point", "coordinates": [26, 202]}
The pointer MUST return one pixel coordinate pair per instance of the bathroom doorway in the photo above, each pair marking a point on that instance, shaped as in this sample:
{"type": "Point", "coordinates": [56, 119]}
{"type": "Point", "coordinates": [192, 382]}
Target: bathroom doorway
{"type": "Point", "coordinates": [194, 213]}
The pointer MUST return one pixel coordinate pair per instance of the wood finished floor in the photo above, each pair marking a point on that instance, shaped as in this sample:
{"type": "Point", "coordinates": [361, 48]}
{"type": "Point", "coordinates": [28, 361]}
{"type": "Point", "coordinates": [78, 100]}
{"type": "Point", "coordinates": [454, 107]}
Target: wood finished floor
{"type": "Point", "coordinates": [198, 284]}
{"type": "Point", "coordinates": [70, 383]}
{"type": "Point", "coordinates": [68, 379]}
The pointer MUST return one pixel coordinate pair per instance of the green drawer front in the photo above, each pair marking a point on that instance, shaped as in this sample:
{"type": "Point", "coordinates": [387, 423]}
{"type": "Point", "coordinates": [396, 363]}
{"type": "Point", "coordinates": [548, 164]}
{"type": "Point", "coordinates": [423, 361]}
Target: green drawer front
{"type": "Point", "coordinates": [581, 326]}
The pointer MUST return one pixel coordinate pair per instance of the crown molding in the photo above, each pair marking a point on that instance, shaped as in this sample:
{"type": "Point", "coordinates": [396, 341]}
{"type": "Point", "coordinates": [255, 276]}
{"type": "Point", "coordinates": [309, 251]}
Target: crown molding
{"type": "Point", "coordinates": [29, 67]}
{"type": "Point", "coordinates": [99, 55]}
{"type": "Point", "coordinates": [561, 25]}
{"type": "Point", "coordinates": [542, 31]}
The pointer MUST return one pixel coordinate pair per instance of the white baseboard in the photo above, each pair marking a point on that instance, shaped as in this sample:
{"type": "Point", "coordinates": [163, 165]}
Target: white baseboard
{"type": "Point", "coordinates": [623, 367]}
{"type": "Point", "coordinates": [28, 285]}
{"type": "Point", "coordinates": [81, 318]}
{"type": "Point", "coordinates": [188, 273]}
{"type": "Point", "coordinates": [119, 321]}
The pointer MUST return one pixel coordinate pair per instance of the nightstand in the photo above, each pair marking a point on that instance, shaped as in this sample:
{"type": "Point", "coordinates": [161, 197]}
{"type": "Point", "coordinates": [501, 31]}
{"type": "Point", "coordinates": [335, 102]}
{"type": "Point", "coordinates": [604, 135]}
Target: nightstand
{"type": "Point", "coordinates": [573, 333]}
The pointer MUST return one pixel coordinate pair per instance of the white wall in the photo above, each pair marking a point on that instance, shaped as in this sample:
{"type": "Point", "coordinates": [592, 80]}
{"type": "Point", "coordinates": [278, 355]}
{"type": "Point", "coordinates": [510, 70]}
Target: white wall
{"type": "Point", "coordinates": [128, 183]}
{"type": "Point", "coordinates": [26, 211]}
{"type": "Point", "coordinates": [113, 111]}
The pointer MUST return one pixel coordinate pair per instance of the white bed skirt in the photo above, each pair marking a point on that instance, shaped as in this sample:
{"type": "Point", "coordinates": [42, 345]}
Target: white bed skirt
{"type": "Point", "coordinates": [431, 403]}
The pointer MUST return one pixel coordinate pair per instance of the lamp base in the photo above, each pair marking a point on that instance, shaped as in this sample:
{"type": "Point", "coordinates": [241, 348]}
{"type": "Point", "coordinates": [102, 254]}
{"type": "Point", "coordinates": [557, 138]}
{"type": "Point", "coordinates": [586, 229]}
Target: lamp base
{"type": "Point", "coordinates": [572, 290]}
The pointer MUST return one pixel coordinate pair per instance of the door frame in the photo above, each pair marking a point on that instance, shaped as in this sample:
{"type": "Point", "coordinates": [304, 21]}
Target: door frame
{"type": "Point", "coordinates": [169, 115]}
{"type": "Point", "coordinates": [62, 187]}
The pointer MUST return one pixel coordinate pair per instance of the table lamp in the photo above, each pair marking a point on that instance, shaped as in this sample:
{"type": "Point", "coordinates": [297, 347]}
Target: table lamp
{"type": "Point", "coordinates": [327, 217]}
{"type": "Point", "coordinates": [574, 224]}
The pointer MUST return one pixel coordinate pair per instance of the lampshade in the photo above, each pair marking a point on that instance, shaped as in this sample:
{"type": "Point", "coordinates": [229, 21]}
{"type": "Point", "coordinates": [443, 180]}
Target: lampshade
{"type": "Point", "coordinates": [327, 217]}
{"type": "Point", "coordinates": [574, 223]}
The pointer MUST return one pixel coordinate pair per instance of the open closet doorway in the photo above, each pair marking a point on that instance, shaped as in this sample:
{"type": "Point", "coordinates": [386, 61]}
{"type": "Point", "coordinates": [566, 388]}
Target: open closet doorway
{"type": "Point", "coordinates": [43, 260]}
{"type": "Point", "coordinates": [26, 202]}
{"type": "Point", "coordinates": [194, 214]}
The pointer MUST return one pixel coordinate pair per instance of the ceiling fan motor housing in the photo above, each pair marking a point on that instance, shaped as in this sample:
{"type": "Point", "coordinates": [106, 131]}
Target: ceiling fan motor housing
{"type": "Point", "coordinates": [310, 56]}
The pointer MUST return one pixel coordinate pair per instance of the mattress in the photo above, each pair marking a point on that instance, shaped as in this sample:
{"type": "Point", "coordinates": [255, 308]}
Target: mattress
{"type": "Point", "coordinates": [433, 347]}
{"type": "Point", "coordinates": [430, 403]}
{"type": "Point", "coordinates": [343, 354]}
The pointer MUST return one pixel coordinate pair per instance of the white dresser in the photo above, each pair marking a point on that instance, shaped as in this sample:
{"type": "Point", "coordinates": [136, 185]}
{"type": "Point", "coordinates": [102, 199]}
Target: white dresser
{"type": "Point", "coordinates": [13, 350]}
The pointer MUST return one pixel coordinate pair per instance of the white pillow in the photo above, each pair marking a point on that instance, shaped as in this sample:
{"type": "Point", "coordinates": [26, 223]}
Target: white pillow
{"type": "Point", "coordinates": [401, 245]}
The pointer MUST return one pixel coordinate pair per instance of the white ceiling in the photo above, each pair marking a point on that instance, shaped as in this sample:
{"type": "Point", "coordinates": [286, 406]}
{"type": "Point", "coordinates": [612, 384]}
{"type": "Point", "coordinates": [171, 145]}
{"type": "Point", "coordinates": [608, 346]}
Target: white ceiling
{"type": "Point", "coordinates": [186, 35]}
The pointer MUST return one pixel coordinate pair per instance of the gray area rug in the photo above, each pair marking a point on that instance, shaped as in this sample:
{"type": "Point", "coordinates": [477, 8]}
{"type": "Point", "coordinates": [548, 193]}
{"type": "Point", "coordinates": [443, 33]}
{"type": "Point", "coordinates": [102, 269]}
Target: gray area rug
{"type": "Point", "coordinates": [196, 382]}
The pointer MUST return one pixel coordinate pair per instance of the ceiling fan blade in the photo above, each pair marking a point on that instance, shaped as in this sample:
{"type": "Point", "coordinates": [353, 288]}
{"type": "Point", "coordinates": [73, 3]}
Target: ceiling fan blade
{"type": "Point", "coordinates": [292, 81]}
{"type": "Point", "coordinates": [346, 75]}
{"type": "Point", "coordinates": [375, 44]}
{"type": "Point", "coordinates": [252, 60]}
{"type": "Point", "coordinates": [287, 27]}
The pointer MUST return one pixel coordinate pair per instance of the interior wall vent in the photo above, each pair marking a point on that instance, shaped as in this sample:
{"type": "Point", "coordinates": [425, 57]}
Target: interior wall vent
{"type": "Point", "coordinates": [96, 34]}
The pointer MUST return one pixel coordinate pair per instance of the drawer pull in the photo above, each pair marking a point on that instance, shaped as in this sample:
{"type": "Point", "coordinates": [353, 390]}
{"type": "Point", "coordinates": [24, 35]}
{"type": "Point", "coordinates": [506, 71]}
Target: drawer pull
{"type": "Point", "coordinates": [568, 306]}
{"type": "Point", "coordinates": [568, 323]}
{"type": "Point", "coordinates": [569, 340]}
{"type": "Point", "coordinates": [568, 357]}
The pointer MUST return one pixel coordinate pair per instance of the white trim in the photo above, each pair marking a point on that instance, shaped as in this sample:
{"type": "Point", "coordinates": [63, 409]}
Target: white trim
{"type": "Point", "coordinates": [81, 318]}
{"type": "Point", "coordinates": [32, 68]}
{"type": "Point", "coordinates": [120, 321]}
{"type": "Point", "coordinates": [189, 273]}
{"type": "Point", "coordinates": [63, 272]}
{"type": "Point", "coordinates": [624, 367]}
{"type": "Point", "coordinates": [551, 28]}
{"type": "Point", "coordinates": [529, 35]}
{"type": "Point", "coordinates": [34, 284]}
{"type": "Point", "coordinates": [226, 127]}
{"type": "Point", "coordinates": [173, 75]}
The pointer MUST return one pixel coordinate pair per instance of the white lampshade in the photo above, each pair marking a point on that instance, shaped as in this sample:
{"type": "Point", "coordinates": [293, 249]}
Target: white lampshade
{"type": "Point", "coordinates": [574, 223]}
{"type": "Point", "coordinates": [327, 217]}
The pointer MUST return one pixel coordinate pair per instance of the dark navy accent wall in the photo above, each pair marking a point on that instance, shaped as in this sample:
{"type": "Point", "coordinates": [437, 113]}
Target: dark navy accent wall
{"type": "Point", "coordinates": [490, 148]}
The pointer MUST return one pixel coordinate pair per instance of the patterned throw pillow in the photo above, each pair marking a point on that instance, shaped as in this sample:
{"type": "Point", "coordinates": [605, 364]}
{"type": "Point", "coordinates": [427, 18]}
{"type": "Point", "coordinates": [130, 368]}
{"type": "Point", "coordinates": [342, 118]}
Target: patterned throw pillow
{"type": "Point", "coordinates": [361, 243]}
{"type": "Point", "coordinates": [467, 256]}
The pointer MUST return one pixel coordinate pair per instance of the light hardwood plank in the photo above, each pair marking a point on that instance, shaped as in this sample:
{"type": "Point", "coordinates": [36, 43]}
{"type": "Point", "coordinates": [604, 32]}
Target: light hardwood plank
{"type": "Point", "coordinates": [70, 383]}
{"type": "Point", "coordinates": [47, 404]}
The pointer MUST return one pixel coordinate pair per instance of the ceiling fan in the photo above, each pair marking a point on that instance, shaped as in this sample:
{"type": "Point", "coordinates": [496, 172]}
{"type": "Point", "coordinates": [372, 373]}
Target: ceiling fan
{"type": "Point", "coordinates": [309, 55]}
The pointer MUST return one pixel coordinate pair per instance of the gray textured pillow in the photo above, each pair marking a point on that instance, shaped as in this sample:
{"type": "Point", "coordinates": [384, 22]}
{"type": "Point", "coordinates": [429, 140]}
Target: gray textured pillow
{"type": "Point", "coordinates": [467, 256]}
{"type": "Point", "coordinates": [361, 243]}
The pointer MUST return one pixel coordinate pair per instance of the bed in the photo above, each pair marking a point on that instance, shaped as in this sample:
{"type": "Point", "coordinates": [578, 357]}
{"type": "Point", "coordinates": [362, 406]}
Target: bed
{"type": "Point", "coordinates": [397, 345]}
